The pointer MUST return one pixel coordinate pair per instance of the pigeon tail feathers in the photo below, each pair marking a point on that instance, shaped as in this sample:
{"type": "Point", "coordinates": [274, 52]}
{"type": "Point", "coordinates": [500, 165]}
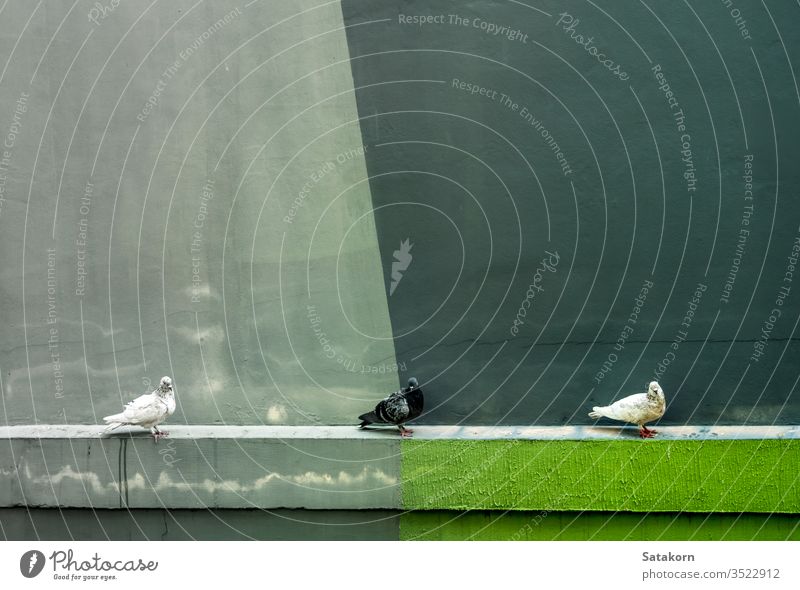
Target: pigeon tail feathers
{"type": "Point", "coordinates": [114, 418]}
{"type": "Point", "coordinates": [369, 418]}
{"type": "Point", "coordinates": [111, 426]}
{"type": "Point", "coordinates": [596, 412]}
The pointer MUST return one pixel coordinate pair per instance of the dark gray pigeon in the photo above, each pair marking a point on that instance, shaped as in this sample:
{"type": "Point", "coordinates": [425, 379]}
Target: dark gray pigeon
{"type": "Point", "coordinates": [399, 408]}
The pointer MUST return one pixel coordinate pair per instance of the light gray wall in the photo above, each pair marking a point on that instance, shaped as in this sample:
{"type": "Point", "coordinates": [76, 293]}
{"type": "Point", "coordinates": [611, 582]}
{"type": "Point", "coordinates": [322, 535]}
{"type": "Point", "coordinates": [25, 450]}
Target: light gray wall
{"type": "Point", "coordinates": [194, 255]}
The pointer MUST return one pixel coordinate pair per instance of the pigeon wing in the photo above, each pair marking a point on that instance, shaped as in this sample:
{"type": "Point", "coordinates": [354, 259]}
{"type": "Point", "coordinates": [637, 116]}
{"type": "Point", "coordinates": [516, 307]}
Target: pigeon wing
{"type": "Point", "coordinates": [394, 409]}
{"type": "Point", "coordinates": [145, 409]}
{"type": "Point", "coordinates": [170, 401]}
{"type": "Point", "coordinates": [630, 409]}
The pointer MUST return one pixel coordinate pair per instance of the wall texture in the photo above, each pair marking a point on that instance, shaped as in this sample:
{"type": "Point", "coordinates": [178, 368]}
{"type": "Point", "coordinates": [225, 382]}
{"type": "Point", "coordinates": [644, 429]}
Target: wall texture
{"type": "Point", "coordinates": [662, 181]}
{"type": "Point", "coordinates": [187, 195]}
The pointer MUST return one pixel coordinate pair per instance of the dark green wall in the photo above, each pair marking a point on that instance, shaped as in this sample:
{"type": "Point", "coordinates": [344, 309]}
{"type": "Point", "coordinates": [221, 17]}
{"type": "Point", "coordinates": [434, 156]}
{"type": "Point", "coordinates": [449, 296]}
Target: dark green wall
{"type": "Point", "coordinates": [595, 526]}
{"type": "Point", "coordinates": [483, 196]}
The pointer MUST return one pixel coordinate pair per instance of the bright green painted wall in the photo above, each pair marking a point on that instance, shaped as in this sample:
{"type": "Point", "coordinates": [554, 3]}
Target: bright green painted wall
{"type": "Point", "coordinates": [597, 526]}
{"type": "Point", "coordinates": [639, 476]}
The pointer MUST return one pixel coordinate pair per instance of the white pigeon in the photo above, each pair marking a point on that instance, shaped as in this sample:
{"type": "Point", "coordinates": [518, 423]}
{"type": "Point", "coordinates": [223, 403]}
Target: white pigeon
{"type": "Point", "coordinates": [639, 409]}
{"type": "Point", "coordinates": [148, 410]}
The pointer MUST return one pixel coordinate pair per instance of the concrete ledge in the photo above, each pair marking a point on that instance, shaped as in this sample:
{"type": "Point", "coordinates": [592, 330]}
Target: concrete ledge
{"type": "Point", "coordinates": [594, 468]}
{"type": "Point", "coordinates": [198, 467]}
{"type": "Point", "coordinates": [598, 432]}
{"type": "Point", "coordinates": [199, 432]}
{"type": "Point", "coordinates": [603, 432]}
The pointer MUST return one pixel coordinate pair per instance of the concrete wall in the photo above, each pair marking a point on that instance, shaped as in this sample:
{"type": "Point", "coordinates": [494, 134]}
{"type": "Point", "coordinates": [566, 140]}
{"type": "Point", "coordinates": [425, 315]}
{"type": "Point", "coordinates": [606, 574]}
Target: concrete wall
{"type": "Point", "coordinates": [216, 191]}
{"type": "Point", "coordinates": [187, 196]}
{"type": "Point", "coordinates": [216, 467]}
{"type": "Point", "coordinates": [723, 469]}
{"type": "Point", "coordinates": [536, 483]}
{"type": "Point", "coordinates": [596, 526]}
{"type": "Point", "coordinates": [200, 525]}
{"type": "Point", "coordinates": [493, 147]}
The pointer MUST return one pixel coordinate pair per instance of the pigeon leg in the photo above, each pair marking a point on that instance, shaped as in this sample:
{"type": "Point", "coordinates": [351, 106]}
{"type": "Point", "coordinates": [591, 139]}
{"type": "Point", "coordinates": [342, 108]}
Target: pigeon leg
{"type": "Point", "coordinates": [405, 432]}
{"type": "Point", "coordinates": [645, 432]}
{"type": "Point", "coordinates": [158, 434]}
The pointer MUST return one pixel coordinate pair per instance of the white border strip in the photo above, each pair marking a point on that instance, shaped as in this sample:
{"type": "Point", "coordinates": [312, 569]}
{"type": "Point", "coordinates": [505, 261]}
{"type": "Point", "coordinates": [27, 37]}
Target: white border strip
{"type": "Point", "coordinates": [598, 432]}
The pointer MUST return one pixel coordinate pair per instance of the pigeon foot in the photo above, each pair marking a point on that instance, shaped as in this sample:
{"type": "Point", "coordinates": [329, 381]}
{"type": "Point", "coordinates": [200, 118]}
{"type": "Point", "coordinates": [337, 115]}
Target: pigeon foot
{"type": "Point", "coordinates": [645, 432]}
